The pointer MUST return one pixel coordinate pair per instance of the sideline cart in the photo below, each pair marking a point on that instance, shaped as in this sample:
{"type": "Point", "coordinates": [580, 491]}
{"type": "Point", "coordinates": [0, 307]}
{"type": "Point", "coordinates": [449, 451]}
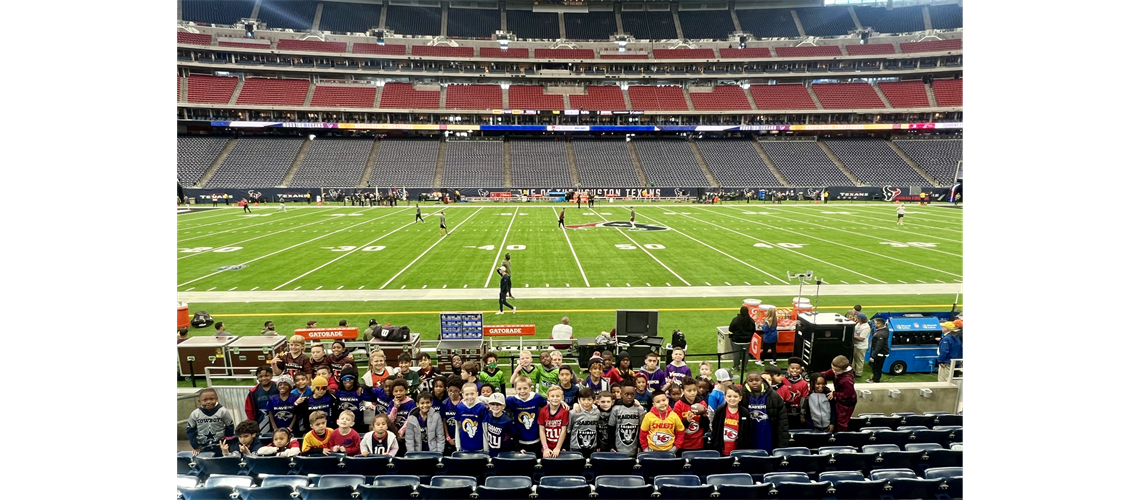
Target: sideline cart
{"type": "Point", "coordinates": [913, 339]}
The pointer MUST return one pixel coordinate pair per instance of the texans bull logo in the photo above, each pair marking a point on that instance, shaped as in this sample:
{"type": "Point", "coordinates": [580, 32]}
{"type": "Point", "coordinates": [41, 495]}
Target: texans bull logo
{"type": "Point", "coordinates": [632, 226]}
{"type": "Point", "coordinates": [889, 192]}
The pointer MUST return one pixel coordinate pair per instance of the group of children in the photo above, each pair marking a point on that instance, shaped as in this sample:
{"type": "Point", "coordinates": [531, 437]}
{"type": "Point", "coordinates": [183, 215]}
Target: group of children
{"type": "Point", "coordinates": [614, 408]}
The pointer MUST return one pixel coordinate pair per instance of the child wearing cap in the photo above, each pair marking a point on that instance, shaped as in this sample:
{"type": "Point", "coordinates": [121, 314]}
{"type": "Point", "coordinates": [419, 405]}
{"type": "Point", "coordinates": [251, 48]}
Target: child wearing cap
{"type": "Point", "coordinates": [716, 397]}
{"type": "Point", "coordinates": [282, 407]}
{"type": "Point", "coordinates": [352, 399]}
{"type": "Point", "coordinates": [496, 426]}
{"type": "Point", "coordinates": [321, 400]}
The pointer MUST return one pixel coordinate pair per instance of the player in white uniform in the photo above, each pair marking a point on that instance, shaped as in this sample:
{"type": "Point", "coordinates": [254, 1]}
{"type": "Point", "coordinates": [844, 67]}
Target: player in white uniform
{"type": "Point", "coordinates": [901, 211]}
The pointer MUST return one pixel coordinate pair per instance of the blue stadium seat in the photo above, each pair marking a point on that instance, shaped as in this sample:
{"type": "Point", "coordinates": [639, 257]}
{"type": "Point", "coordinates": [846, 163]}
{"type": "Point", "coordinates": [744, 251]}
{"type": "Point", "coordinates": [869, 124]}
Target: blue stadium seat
{"type": "Point", "coordinates": [185, 462]}
{"type": "Point", "coordinates": [284, 480]}
{"type": "Point", "coordinates": [682, 486]}
{"type": "Point", "coordinates": [655, 464]}
{"type": "Point", "coordinates": [811, 439]}
{"type": "Point", "coordinates": [943, 472]}
{"type": "Point", "coordinates": [705, 462]}
{"type": "Point", "coordinates": [909, 488]}
{"type": "Point", "coordinates": [856, 424]}
{"type": "Point", "coordinates": [743, 491]}
{"type": "Point", "coordinates": [892, 474]}
{"type": "Point", "coordinates": [795, 485]}
{"type": "Point", "coordinates": [611, 464]}
{"type": "Point", "coordinates": [419, 463]}
{"type": "Point", "coordinates": [219, 465]}
{"type": "Point", "coordinates": [780, 452]}
{"type": "Point", "coordinates": [279, 492]}
{"type": "Point", "coordinates": [718, 480]}
{"type": "Point", "coordinates": [948, 420]}
{"type": "Point", "coordinates": [884, 421]}
{"type": "Point", "coordinates": [342, 492]}
{"type": "Point", "coordinates": [467, 464]}
{"type": "Point", "coordinates": [317, 465]}
{"type": "Point", "coordinates": [916, 420]}
{"type": "Point", "coordinates": [389, 487]}
{"type": "Point", "coordinates": [900, 438]}
{"type": "Point", "coordinates": [912, 428]}
{"type": "Point", "coordinates": [756, 462]}
{"type": "Point", "coordinates": [899, 460]}
{"type": "Point", "coordinates": [862, 462]}
{"type": "Point", "coordinates": [809, 464]}
{"type": "Point", "coordinates": [568, 463]}
{"type": "Point", "coordinates": [267, 465]}
{"type": "Point", "coordinates": [372, 465]}
{"type": "Point", "coordinates": [850, 485]}
{"type": "Point", "coordinates": [923, 447]}
{"type": "Point", "coordinates": [874, 429]}
{"type": "Point", "coordinates": [515, 463]}
{"type": "Point", "coordinates": [834, 450]}
{"type": "Point", "coordinates": [231, 481]}
{"type": "Point", "coordinates": [879, 448]}
{"type": "Point", "coordinates": [206, 492]}
{"type": "Point", "coordinates": [448, 487]}
{"type": "Point", "coordinates": [937, 413]}
{"type": "Point", "coordinates": [855, 439]}
{"type": "Point", "coordinates": [562, 487]}
{"type": "Point", "coordinates": [622, 486]}
{"type": "Point", "coordinates": [903, 414]}
{"type": "Point", "coordinates": [187, 480]}
{"type": "Point", "coordinates": [941, 436]}
{"type": "Point", "coordinates": [943, 458]}
{"type": "Point", "coordinates": [506, 487]}
{"type": "Point", "coordinates": [866, 415]}
{"type": "Point", "coordinates": [352, 480]}
{"type": "Point", "coordinates": [952, 489]}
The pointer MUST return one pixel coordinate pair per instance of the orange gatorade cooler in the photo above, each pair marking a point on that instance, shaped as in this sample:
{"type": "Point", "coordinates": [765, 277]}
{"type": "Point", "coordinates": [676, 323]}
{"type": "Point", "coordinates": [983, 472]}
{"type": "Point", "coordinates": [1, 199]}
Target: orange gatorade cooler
{"type": "Point", "coordinates": [801, 305]}
{"type": "Point", "coordinates": [183, 317]}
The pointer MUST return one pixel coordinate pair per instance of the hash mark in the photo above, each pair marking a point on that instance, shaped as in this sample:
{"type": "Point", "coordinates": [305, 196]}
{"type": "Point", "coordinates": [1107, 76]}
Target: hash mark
{"type": "Point", "coordinates": [339, 287]}
{"type": "Point", "coordinates": [920, 281]}
{"type": "Point", "coordinates": [232, 289]}
{"type": "Point", "coordinates": [298, 288]}
{"type": "Point", "coordinates": [188, 289]}
{"type": "Point", "coordinates": [211, 288]}
{"type": "Point", "coordinates": [844, 282]}
{"type": "Point", "coordinates": [647, 284]}
{"type": "Point", "coordinates": [319, 287]}
{"type": "Point", "coordinates": [254, 288]}
{"type": "Point", "coordinates": [667, 284]}
{"type": "Point", "coordinates": [361, 288]}
{"type": "Point", "coordinates": [766, 283]}
{"type": "Point", "coordinates": [421, 288]}
{"type": "Point", "coordinates": [607, 284]}
{"type": "Point", "coordinates": [747, 283]}
{"type": "Point", "coordinates": [464, 286]}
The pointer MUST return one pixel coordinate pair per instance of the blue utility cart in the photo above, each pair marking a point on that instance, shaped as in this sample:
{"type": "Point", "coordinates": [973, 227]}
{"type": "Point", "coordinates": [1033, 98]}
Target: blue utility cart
{"type": "Point", "coordinates": [913, 340]}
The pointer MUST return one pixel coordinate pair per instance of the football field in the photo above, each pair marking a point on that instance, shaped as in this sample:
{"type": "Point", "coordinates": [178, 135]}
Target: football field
{"type": "Point", "coordinates": [337, 248]}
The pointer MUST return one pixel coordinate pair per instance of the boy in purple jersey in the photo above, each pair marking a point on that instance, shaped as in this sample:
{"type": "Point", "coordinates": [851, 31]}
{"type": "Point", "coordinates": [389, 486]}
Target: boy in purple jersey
{"type": "Point", "coordinates": [448, 411]}
{"type": "Point", "coordinates": [654, 378]}
{"type": "Point", "coordinates": [352, 399]}
{"type": "Point", "coordinates": [677, 370]}
{"type": "Point", "coordinates": [399, 410]}
{"type": "Point", "coordinates": [524, 406]}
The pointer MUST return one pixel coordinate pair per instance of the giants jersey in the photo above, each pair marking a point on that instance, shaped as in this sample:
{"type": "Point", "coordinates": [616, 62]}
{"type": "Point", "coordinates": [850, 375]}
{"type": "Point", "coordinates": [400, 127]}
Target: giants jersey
{"type": "Point", "coordinates": [555, 424]}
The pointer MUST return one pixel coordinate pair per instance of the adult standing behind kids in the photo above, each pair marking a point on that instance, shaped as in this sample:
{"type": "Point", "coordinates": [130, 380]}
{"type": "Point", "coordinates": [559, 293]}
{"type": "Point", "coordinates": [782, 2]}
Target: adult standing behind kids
{"type": "Point", "coordinates": [741, 329]}
{"type": "Point", "coordinates": [862, 341]}
{"type": "Point", "coordinates": [879, 350]}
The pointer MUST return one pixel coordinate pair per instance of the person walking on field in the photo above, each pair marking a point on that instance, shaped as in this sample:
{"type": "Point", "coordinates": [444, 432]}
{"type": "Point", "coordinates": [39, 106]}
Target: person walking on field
{"type": "Point", "coordinates": [504, 289]}
{"type": "Point", "coordinates": [245, 206]}
{"type": "Point", "coordinates": [442, 223]}
{"type": "Point", "coordinates": [419, 216]}
{"type": "Point", "coordinates": [562, 218]}
{"type": "Point", "coordinates": [901, 211]}
{"type": "Point", "coordinates": [507, 265]}
{"type": "Point", "coordinates": [632, 215]}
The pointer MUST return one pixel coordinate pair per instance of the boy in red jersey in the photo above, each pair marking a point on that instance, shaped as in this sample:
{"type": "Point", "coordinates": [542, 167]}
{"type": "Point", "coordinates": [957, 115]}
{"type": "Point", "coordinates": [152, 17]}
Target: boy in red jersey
{"type": "Point", "coordinates": [552, 423]}
{"type": "Point", "coordinates": [693, 416]}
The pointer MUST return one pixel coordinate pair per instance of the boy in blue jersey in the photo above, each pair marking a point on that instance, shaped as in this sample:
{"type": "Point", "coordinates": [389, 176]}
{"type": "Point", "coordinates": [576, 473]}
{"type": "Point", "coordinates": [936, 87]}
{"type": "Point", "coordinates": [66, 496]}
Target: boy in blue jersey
{"type": "Point", "coordinates": [496, 426]}
{"type": "Point", "coordinates": [449, 410]}
{"type": "Point", "coordinates": [469, 416]}
{"type": "Point", "coordinates": [524, 406]}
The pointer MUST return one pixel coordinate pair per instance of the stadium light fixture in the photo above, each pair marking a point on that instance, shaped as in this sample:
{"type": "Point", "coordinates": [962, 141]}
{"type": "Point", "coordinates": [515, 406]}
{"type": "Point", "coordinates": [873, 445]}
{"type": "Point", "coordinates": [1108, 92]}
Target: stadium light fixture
{"type": "Point", "coordinates": [504, 86]}
{"type": "Point", "coordinates": [745, 85]}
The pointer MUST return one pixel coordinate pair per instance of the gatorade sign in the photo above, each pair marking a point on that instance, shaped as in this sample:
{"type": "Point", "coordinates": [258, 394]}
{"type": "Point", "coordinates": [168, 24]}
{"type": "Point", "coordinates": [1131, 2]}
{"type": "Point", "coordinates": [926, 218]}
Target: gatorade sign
{"type": "Point", "coordinates": [344, 333]}
{"type": "Point", "coordinates": [507, 330]}
{"type": "Point", "coordinates": [755, 346]}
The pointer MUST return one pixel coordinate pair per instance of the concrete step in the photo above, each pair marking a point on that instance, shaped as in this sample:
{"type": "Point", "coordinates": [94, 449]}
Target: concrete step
{"type": "Point", "coordinates": [367, 174]}
{"type": "Point", "coordinates": [443, 97]}
{"type": "Point", "coordinates": [677, 21]}
{"type": "Point", "coordinates": [799, 25]}
{"type": "Point", "coordinates": [637, 164]}
{"type": "Point", "coordinates": [296, 163]}
{"type": "Point", "coordinates": [930, 95]}
{"type": "Point", "coordinates": [835, 159]}
{"type": "Point", "coordinates": [751, 101]}
{"type": "Point", "coordinates": [625, 97]}
{"type": "Point", "coordinates": [814, 98]}
{"type": "Point", "coordinates": [926, 24]}
{"type": "Point", "coordinates": [573, 160]}
{"type": "Point", "coordinates": [701, 162]}
{"type": "Point", "coordinates": [688, 100]}
{"type": "Point", "coordinates": [437, 181]}
{"type": "Point", "coordinates": [182, 88]}
{"type": "Point", "coordinates": [882, 97]}
{"type": "Point", "coordinates": [506, 162]}
{"type": "Point", "coordinates": [771, 165]}
{"type": "Point", "coordinates": [217, 163]}
{"type": "Point", "coordinates": [309, 93]}
{"type": "Point", "coordinates": [237, 91]}
{"type": "Point", "coordinates": [921, 171]}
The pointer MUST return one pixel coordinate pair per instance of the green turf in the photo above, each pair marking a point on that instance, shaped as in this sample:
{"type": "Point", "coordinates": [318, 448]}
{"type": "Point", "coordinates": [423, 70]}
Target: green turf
{"type": "Point", "coordinates": [738, 244]}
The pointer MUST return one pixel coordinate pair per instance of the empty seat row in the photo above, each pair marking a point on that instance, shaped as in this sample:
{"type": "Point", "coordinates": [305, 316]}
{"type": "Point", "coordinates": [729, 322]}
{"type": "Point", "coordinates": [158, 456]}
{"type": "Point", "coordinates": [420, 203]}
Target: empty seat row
{"type": "Point", "coordinates": [669, 162]}
{"type": "Point", "coordinates": [473, 164]}
{"type": "Point", "coordinates": [804, 163]}
{"type": "Point", "coordinates": [256, 162]}
{"type": "Point", "coordinates": [405, 162]}
{"type": "Point", "coordinates": [333, 162]}
{"type": "Point", "coordinates": [875, 163]}
{"type": "Point", "coordinates": [735, 163]}
{"type": "Point", "coordinates": [604, 163]}
{"type": "Point", "coordinates": [195, 155]}
{"type": "Point", "coordinates": [539, 163]}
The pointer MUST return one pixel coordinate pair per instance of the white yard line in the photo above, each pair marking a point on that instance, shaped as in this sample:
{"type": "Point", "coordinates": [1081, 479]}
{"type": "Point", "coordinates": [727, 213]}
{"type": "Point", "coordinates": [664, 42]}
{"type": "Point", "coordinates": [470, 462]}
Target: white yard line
{"type": "Point", "coordinates": [959, 240]}
{"type": "Point", "coordinates": [572, 252]}
{"type": "Point", "coordinates": [638, 245]}
{"type": "Point", "coordinates": [788, 249]}
{"type": "Point", "coordinates": [251, 239]}
{"type": "Point", "coordinates": [675, 230]}
{"type": "Point", "coordinates": [495, 265]}
{"type": "Point", "coordinates": [842, 245]}
{"type": "Point", "coordinates": [927, 213]}
{"type": "Point", "coordinates": [428, 250]}
{"type": "Point", "coordinates": [292, 247]}
{"type": "Point", "coordinates": [249, 226]}
{"type": "Point", "coordinates": [189, 217]}
{"type": "Point", "coordinates": [235, 229]}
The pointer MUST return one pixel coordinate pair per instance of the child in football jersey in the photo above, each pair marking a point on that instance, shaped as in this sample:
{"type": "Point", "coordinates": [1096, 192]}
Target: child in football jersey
{"type": "Point", "coordinates": [677, 370]}
{"type": "Point", "coordinates": [496, 426]}
{"type": "Point", "coordinates": [793, 391]}
{"type": "Point", "coordinates": [344, 438]}
{"type": "Point", "coordinates": [552, 422]}
{"type": "Point", "coordinates": [732, 424]}
{"type": "Point", "coordinates": [641, 392]}
{"type": "Point", "coordinates": [655, 379]}
{"type": "Point", "coordinates": [424, 429]}
{"type": "Point", "coordinates": [326, 373]}
{"type": "Point", "coordinates": [406, 372]}
{"type": "Point", "coordinates": [380, 440]}
{"type": "Point", "coordinates": [210, 423]}
{"type": "Point", "coordinates": [469, 416]}
{"type": "Point", "coordinates": [449, 411]}
{"type": "Point", "coordinates": [609, 371]}
{"type": "Point", "coordinates": [524, 406]}
{"type": "Point", "coordinates": [625, 419]}
{"type": "Point", "coordinates": [661, 426]}
{"type": "Point", "coordinates": [625, 367]}
{"type": "Point", "coordinates": [438, 392]}
{"type": "Point", "coordinates": [320, 400]}
{"type": "Point", "coordinates": [317, 441]}
{"type": "Point", "coordinates": [491, 374]}
{"type": "Point", "coordinates": [381, 400]}
{"type": "Point", "coordinates": [426, 371]}
{"type": "Point", "coordinates": [605, 404]}
{"type": "Point", "coordinates": [282, 408]}
{"type": "Point", "coordinates": [401, 407]}
{"type": "Point", "coordinates": [547, 373]}
{"type": "Point", "coordinates": [597, 381]}
{"type": "Point", "coordinates": [352, 399]}
{"type": "Point", "coordinates": [283, 445]}
{"type": "Point", "coordinates": [301, 393]}
{"type": "Point", "coordinates": [567, 383]}
{"type": "Point", "coordinates": [693, 416]}
{"type": "Point", "coordinates": [378, 370]}
{"type": "Point", "coordinates": [525, 368]}
{"type": "Point", "coordinates": [582, 431]}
